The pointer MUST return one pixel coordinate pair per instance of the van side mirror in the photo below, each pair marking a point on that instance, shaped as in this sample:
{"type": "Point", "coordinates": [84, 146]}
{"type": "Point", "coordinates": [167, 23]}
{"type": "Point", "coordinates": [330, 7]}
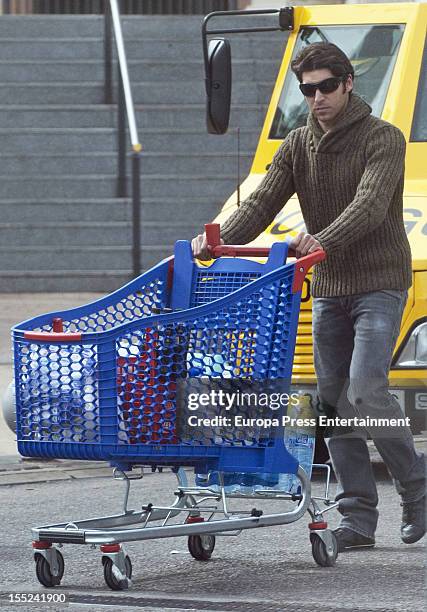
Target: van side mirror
{"type": "Point", "coordinates": [218, 86]}
{"type": "Point", "coordinates": [217, 60]}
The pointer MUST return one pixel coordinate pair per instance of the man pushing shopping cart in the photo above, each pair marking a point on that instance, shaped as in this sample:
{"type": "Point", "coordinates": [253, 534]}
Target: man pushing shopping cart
{"type": "Point", "coordinates": [347, 168]}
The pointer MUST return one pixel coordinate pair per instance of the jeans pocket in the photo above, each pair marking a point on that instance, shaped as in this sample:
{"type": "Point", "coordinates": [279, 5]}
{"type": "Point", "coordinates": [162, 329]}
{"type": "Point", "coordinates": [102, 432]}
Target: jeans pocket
{"type": "Point", "coordinates": [400, 295]}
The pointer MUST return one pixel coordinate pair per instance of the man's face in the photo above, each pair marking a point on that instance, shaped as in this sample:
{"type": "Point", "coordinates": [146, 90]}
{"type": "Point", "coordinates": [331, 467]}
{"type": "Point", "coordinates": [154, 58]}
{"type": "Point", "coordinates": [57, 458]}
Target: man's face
{"type": "Point", "coordinates": [326, 106]}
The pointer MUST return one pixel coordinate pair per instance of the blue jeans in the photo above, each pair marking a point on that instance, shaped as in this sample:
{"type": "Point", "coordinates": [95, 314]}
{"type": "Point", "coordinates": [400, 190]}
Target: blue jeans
{"type": "Point", "coordinates": [354, 338]}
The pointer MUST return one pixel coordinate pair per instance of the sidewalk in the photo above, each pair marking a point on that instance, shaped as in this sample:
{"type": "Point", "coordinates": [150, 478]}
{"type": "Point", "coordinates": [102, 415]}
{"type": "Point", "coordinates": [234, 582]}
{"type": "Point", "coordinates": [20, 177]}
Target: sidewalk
{"type": "Point", "coordinates": [17, 307]}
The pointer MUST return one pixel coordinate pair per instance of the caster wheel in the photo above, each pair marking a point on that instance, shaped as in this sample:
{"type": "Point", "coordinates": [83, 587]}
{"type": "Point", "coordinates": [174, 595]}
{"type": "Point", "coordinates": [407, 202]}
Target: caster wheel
{"type": "Point", "coordinates": [201, 546]}
{"type": "Point", "coordinates": [44, 575]}
{"type": "Point", "coordinates": [318, 550]}
{"type": "Point", "coordinates": [111, 580]}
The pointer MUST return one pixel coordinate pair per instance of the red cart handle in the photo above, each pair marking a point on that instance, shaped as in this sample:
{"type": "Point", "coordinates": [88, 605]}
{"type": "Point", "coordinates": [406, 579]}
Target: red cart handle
{"type": "Point", "coordinates": [217, 249]}
{"type": "Point", "coordinates": [52, 337]}
{"type": "Point", "coordinates": [56, 335]}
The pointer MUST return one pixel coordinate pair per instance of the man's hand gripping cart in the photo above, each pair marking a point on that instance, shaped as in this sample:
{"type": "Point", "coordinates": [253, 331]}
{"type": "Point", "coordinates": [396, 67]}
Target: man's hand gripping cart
{"type": "Point", "coordinates": [106, 382]}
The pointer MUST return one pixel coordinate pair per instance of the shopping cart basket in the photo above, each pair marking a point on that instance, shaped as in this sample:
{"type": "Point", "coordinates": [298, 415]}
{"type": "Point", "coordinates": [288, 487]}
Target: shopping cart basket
{"type": "Point", "coordinates": [106, 381]}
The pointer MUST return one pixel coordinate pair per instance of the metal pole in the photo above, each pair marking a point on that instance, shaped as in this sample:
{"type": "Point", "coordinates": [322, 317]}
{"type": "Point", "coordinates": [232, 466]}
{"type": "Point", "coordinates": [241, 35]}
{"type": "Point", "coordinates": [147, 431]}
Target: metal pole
{"type": "Point", "coordinates": [136, 213]}
{"type": "Point", "coordinates": [125, 75]}
{"type": "Point", "coordinates": [108, 55]}
{"type": "Point", "coordinates": [121, 140]}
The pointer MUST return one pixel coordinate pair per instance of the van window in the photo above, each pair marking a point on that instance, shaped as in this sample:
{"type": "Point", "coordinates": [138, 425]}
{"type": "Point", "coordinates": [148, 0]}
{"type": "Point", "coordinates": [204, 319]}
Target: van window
{"type": "Point", "coordinates": [419, 125]}
{"type": "Point", "coordinates": [372, 49]}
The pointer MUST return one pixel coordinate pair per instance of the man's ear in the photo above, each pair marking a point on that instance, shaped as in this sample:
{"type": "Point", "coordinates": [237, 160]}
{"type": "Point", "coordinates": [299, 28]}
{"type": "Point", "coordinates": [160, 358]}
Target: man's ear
{"type": "Point", "coordinates": [349, 84]}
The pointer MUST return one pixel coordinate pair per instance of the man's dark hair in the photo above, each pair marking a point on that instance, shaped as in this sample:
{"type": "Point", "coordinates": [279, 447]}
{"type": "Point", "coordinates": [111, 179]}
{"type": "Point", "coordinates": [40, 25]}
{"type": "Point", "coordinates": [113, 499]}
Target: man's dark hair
{"type": "Point", "coordinates": [322, 55]}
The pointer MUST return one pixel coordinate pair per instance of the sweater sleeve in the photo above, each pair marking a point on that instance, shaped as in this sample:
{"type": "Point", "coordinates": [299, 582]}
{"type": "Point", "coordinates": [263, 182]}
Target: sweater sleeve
{"type": "Point", "coordinates": [260, 208]}
{"type": "Point", "coordinates": [383, 170]}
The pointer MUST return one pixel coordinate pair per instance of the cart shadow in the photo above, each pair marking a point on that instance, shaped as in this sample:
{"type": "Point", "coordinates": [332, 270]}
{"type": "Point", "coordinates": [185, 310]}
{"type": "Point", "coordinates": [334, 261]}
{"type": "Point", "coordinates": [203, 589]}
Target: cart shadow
{"type": "Point", "coordinates": [222, 575]}
{"type": "Point", "coordinates": [226, 576]}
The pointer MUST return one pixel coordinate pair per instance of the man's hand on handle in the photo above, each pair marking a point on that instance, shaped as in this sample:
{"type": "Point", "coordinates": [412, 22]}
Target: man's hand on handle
{"type": "Point", "coordinates": [199, 247]}
{"type": "Point", "coordinates": [304, 244]}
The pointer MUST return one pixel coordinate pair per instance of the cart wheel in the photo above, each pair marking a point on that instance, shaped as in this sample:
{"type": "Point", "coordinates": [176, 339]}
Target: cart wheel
{"type": "Point", "coordinates": [44, 575]}
{"type": "Point", "coordinates": [109, 577]}
{"type": "Point", "coordinates": [201, 546]}
{"type": "Point", "coordinates": [320, 555]}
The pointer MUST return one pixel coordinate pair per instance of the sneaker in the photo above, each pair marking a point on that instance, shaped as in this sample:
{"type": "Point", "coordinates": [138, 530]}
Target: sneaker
{"type": "Point", "coordinates": [348, 539]}
{"type": "Point", "coordinates": [413, 521]}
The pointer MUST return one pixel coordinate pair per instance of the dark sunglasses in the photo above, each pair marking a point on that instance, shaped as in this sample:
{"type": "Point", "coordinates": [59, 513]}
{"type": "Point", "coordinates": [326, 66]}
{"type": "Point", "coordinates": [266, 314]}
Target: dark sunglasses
{"type": "Point", "coordinates": [325, 87]}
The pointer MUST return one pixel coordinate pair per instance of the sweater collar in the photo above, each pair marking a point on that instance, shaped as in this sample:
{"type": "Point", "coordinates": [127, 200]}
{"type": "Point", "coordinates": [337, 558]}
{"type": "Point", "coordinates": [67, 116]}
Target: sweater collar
{"type": "Point", "coordinates": [335, 139]}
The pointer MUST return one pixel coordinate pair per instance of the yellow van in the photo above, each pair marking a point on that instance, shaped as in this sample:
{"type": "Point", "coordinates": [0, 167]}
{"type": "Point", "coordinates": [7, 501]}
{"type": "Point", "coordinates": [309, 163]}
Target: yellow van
{"type": "Point", "coordinates": [387, 46]}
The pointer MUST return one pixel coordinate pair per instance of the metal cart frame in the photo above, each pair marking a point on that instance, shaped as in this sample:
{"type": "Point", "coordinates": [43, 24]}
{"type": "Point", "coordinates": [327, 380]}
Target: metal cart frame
{"type": "Point", "coordinates": [110, 532]}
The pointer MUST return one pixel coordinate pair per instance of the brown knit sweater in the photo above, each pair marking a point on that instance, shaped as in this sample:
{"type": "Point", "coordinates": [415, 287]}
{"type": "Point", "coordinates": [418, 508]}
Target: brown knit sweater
{"type": "Point", "coordinates": [349, 183]}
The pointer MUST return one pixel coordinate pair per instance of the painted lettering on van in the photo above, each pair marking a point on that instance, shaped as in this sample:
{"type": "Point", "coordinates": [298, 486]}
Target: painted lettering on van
{"type": "Point", "coordinates": [280, 228]}
{"type": "Point", "coordinates": [410, 224]}
{"type": "Point", "coordinates": [293, 221]}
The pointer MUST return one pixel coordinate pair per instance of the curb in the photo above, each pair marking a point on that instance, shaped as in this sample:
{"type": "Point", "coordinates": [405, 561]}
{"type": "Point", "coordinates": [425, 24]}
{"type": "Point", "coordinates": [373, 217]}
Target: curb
{"type": "Point", "coordinates": [14, 471]}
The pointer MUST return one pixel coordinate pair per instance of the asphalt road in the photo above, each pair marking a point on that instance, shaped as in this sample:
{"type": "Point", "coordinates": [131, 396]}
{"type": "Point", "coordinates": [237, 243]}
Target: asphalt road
{"type": "Point", "coordinates": [258, 571]}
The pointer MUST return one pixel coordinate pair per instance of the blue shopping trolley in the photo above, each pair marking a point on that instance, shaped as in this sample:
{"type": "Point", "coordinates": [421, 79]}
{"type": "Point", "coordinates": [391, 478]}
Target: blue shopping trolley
{"type": "Point", "coordinates": [110, 381]}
